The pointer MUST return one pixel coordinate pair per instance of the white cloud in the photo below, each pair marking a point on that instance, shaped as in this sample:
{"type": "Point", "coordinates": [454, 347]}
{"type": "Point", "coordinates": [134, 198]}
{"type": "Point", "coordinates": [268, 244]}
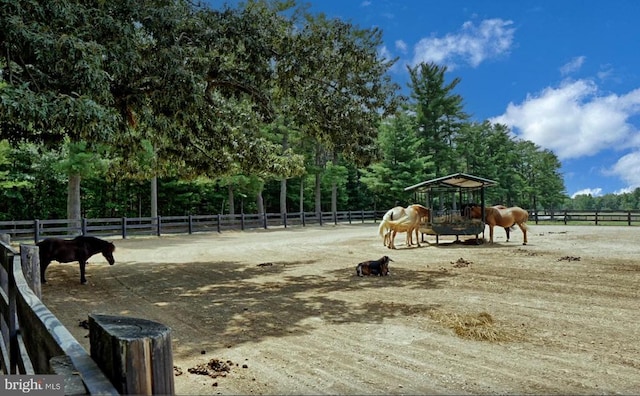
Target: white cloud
{"type": "Point", "coordinates": [573, 121]}
{"type": "Point", "coordinates": [594, 192]}
{"type": "Point", "coordinates": [573, 65]}
{"type": "Point", "coordinates": [385, 54]}
{"type": "Point", "coordinates": [401, 46]}
{"type": "Point", "coordinates": [627, 168]}
{"type": "Point", "coordinates": [471, 45]}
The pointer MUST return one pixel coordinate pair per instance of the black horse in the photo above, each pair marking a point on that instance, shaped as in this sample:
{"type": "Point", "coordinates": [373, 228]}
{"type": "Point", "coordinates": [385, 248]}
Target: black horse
{"type": "Point", "coordinates": [79, 249]}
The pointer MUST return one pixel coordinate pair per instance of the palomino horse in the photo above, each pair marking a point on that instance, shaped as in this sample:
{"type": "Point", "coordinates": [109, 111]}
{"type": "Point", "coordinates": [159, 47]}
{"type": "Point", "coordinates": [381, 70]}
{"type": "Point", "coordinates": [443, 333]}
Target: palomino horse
{"type": "Point", "coordinates": [394, 213]}
{"type": "Point", "coordinates": [503, 217]}
{"type": "Point", "coordinates": [409, 222]}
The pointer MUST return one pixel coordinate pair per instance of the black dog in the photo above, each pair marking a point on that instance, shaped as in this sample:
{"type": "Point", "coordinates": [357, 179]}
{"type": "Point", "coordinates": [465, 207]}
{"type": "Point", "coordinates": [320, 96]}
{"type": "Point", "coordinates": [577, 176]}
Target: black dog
{"type": "Point", "coordinates": [374, 267]}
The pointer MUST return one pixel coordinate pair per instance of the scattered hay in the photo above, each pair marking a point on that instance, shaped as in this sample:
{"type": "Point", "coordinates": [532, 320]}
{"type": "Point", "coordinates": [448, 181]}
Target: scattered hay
{"type": "Point", "coordinates": [214, 368]}
{"type": "Point", "coordinates": [526, 252]}
{"type": "Point", "coordinates": [461, 263]}
{"type": "Point", "coordinates": [479, 327]}
{"type": "Point", "coordinates": [569, 258]}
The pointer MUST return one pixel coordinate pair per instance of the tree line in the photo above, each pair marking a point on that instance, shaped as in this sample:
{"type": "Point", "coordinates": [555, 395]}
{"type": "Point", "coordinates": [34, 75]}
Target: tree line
{"type": "Point", "coordinates": [142, 108]}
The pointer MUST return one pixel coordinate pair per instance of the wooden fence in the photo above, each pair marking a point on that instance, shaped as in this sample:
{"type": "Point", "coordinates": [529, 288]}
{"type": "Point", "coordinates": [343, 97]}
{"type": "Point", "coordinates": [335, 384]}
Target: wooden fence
{"type": "Point", "coordinates": [125, 227]}
{"type": "Point", "coordinates": [36, 230]}
{"type": "Point", "coordinates": [128, 355]}
{"type": "Point", "coordinates": [603, 217]}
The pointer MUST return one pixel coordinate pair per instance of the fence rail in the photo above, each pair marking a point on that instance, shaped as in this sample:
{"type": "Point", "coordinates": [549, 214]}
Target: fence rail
{"type": "Point", "coordinates": [603, 217]}
{"type": "Point", "coordinates": [125, 227]}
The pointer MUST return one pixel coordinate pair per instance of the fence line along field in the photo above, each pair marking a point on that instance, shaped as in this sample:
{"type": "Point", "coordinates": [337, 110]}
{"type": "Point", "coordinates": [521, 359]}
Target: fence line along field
{"type": "Point", "coordinates": [282, 311]}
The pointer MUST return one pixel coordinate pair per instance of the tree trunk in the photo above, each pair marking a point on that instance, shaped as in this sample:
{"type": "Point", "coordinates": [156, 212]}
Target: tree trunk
{"type": "Point", "coordinates": [154, 203]}
{"type": "Point", "coordinates": [283, 182]}
{"type": "Point", "coordinates": [73, 201]}
{"type": "Point", "coordinates": [301, 194]}
{"type": "Point", "coordinates": [318, 193]}
{"type": "Point", "coordinates": [232, 209]}
{"type": "Point", "coordinates": [260, 202]}
{"type": "Point", "coordinates": [334, 196]}
{"type": "Point", "coordinates": [283, 196]}
{"type": "Point", "coordinates": [334, 187]}
{"type": "Point", "coordinates": [154, 197]}
{"type": "Point", "coordinates": [318, 186]}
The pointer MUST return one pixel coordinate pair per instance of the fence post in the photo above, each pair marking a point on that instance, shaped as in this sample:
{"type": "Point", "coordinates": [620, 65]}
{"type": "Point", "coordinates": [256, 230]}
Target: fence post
{"type": "Point", "coordinates": [8, 286]}
{"type": "Point", "coordinates": [12, 294]}
{"type": "Point", "coordinates": [362, 216]}
{"type": "Point", "coordinates": [135, 354]}
{"type": "Point", "coordinates": [302, 218]}
{"type": "Point", "coordinates": [31, 267]}
{"type": "Point", "coordinates": [596, 217]}
{"type": "Point", "coordinates": [629, 218]}
{"type": "Point", "coordinates": [159, 229]}
{"type": "Point", "coordinates": [349, 216]}
{"type": "Point", "coordinates": [264, 219]}
{"type": "Point", "coordinates": [219, 219]}
{"type": "Point", "coordinates": [284, 220]}
{"type": "Point", "coordinates": [320, 216]}
{"type": "Point", "coordinates": [190, 224]}
{"type": "Point", "coordinates": [565, 217]}
{"type": "Point", "coordinates": [36, 231]}
{"type": "Point", "coordinates": [242, 221]}
{"type": "Point", "coordinates": [83, 226]}
{"type": "Point", "coordinates": [124, 228]}
{"type": "Point", "coordinates": [335, 218]}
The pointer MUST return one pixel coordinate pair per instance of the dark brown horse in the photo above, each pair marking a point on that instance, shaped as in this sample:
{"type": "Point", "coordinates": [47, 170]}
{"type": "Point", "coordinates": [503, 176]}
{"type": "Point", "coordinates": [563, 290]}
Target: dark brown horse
{"type": "Point", "coordinates": [503, 217]}
{"type": "Point", "coordinates": [79, 249]}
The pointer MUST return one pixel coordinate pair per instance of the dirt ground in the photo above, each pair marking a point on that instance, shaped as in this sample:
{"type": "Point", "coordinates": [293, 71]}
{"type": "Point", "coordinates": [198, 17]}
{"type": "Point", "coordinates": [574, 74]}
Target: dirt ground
{"type": "Point", "coordinates": [281, 311]}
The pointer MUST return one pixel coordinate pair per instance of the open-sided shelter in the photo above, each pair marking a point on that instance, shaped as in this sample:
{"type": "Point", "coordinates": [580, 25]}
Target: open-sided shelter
{"type": "Point", "coordinates": [446, 198]}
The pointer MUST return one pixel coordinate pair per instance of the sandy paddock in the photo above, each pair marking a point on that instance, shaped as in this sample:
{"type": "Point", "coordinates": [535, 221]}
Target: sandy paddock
{"type": "Point", "coordinates": [285, 313]}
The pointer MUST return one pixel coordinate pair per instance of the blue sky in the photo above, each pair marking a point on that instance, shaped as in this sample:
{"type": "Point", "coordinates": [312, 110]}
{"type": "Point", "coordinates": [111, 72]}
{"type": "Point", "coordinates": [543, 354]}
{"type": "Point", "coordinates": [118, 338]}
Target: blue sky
{"type": "Point", "coordinates": [563, 74]}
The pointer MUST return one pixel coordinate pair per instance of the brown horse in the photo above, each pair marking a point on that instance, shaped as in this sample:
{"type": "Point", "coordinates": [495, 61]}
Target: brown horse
{"type": "Point", "coordinates": [502, 216]}
{"type": "Point", "coordinates": [410, 222]}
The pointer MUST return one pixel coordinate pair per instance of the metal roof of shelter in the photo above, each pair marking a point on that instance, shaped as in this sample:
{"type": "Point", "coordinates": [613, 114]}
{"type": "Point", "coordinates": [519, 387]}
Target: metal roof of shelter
{"type": "Point", "coordinates": [456, 180]}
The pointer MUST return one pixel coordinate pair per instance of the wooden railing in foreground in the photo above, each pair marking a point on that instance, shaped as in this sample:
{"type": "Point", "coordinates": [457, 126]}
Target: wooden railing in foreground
{"type": "Point", "coordinates": [33, 341]}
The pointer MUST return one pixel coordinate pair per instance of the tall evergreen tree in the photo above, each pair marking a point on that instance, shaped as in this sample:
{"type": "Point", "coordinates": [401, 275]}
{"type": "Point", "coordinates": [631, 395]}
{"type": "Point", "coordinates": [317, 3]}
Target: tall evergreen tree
{"type": "Point", "coordinates": [439, 113]}
{"type": "Point", "coordinates": [402, 164]}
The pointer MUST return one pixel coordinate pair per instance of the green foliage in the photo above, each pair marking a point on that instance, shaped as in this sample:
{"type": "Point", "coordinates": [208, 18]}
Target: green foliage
{"type": "Point", "coordinates": [337, 85]}
{"type": "Point", "coordinates": [241, 97]}
{"type": "Point", "coordinates": [79, 159]}
{"type": "Point", "coordinates": [439, 114]}
{"type": "Point", "coordinates": [39, 189]}
{"type": "Point", "coordinates": [402, 164]}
